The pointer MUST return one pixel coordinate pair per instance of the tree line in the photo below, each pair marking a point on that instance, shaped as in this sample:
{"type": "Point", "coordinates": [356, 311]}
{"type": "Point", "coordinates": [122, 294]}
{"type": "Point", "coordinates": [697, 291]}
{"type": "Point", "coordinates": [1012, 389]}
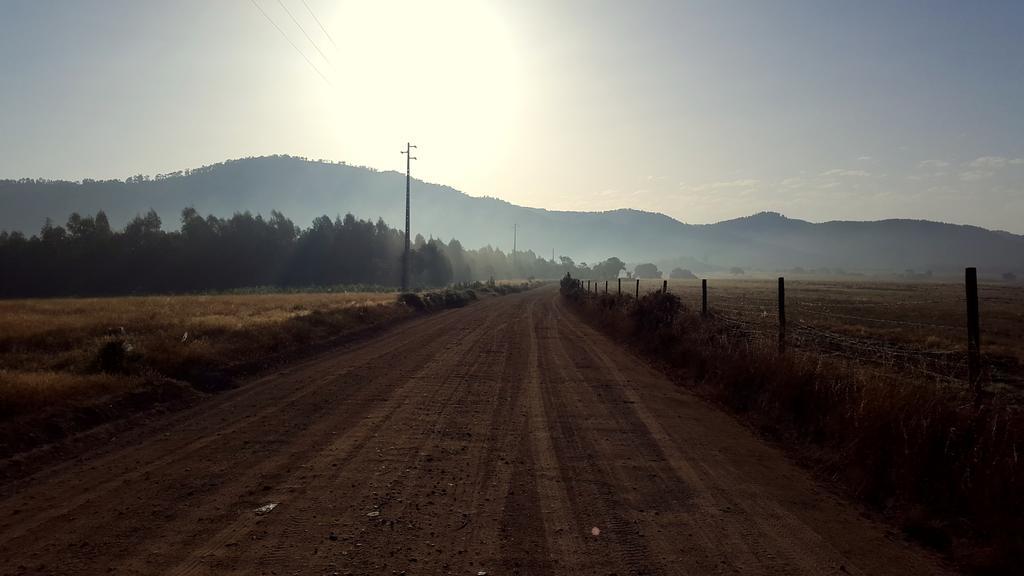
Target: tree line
{"type": "Point", "coordinates": [87, 257]}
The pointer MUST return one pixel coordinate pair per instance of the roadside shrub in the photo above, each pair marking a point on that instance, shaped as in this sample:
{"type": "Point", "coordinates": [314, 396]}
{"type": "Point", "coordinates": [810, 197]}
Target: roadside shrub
{"type": "Point", "coordinates": [113, 356]}
{"type": "Point", "coordinates": [453, 299]}
{"type": "Point", "coordinates": [570, 288]}
{"type": "Point", "coordinates": [656, 310]}
{"type": "Point", "coordinates": [412, 300]}
{"type": "Point", "coordinates": [607, 301]}
{"type": "Point", "coordinates": [433, 299]}
{"type": "Point", "coordinates": [438, 300]}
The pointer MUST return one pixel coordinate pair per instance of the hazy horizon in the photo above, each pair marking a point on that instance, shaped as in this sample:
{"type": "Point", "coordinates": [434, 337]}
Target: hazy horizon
{"type": "Point", "coordinates": [703, 111]}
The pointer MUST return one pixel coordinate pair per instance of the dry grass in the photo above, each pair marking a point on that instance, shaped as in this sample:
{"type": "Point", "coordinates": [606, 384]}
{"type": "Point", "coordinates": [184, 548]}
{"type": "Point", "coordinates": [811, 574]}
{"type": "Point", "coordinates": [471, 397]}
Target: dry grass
{"type": "Point", "coordinates": [23, 391]}
{"type": "Point", "coordinates": [38, 320]}
{"type": "Point", "coordinates": [50, 349]}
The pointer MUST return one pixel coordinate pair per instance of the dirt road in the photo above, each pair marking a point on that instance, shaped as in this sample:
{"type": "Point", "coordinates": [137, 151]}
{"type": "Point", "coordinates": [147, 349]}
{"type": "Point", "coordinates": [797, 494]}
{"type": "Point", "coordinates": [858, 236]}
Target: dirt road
{"type": "Point", "coordinates": [505, 437]}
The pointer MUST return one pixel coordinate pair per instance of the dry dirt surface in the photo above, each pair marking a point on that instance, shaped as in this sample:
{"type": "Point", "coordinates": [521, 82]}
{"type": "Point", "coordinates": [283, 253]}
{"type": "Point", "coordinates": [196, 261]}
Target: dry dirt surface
{"type": "Point", "coordinates": [506, 437]}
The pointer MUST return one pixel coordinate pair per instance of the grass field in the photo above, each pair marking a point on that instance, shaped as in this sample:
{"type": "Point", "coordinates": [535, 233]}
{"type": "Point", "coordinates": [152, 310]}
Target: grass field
{"type": "Point", "coordinates": [917, 327]}
{"type": "Point", "coordinates": [59, 351]}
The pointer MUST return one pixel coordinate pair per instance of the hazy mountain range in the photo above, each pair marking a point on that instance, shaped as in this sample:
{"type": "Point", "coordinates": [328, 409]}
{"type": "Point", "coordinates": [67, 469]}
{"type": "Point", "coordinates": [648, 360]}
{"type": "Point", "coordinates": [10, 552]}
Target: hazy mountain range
{"type": "Point", "coordinates": [304, 189]}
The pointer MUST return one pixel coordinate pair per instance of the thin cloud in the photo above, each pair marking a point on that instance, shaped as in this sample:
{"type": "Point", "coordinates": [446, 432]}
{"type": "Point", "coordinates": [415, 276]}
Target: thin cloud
{"type": "Point", "coordinates": [989, 162]}
{"type": "Point", "coordinates": [844, 172]}
{"type": "Point", "coordinates": [722, 185]}
{"type": "Point", "coordinates": [975, 175]}
{"type": "Point", "coordinates": [933, 164]}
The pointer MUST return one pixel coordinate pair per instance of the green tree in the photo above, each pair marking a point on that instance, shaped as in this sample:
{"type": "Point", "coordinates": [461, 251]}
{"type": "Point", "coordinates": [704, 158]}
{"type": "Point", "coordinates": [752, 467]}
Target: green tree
{"type": "Point", "coordinates": [646, 270]}
{"type": "Point", "coordinates": [610, 268]}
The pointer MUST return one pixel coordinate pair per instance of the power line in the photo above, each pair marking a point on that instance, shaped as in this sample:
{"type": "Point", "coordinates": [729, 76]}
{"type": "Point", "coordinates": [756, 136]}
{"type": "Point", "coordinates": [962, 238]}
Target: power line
{"type": "Point", "coordinates": [304, 33]}
{"type": "Point", "coordinates": [289, 40]}
{"type": "Point", "coordinates": [310, 10]}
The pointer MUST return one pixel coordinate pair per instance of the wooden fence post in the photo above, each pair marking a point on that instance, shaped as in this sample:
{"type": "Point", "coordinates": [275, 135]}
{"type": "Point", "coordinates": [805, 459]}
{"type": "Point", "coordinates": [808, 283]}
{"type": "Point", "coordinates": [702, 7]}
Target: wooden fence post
{"type": "Point", "coordinates": [637, 288]}
{"type": "Point", "coordinates": [620, 286]}
{"type": "Point", "coordinates": [605, 286]}
{"type": "Point", "coordinates": [782, 315]}
{"type": "Point", "coordinates": [588, 286]}
{"type": "Point", "coordinates": [973, 329]}
{"type": "Point", "coordinates": [704, 297]}
{"type": "Point", "coordinates": [664, 286]}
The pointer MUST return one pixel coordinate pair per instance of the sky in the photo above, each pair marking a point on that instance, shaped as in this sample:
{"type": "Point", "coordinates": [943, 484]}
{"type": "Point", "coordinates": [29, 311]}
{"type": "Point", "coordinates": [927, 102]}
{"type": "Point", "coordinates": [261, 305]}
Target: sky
{"type": "Point", "coordinates": [702, 110]}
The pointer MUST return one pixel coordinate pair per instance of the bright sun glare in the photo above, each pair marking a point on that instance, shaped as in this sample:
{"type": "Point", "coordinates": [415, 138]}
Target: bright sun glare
{"type": "Point", "coordinates": [444, 69]}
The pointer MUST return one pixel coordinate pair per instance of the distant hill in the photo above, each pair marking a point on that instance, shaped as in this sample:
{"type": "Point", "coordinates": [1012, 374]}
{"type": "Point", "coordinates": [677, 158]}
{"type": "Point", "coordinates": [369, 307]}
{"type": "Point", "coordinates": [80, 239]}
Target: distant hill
{"type": "Point", "coordinates": [303, 189]}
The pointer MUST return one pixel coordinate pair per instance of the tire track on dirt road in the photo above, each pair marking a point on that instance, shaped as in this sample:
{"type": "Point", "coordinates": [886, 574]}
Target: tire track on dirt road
{"type": "Point", "coordinates": [420, 431]}
{"type": "Point", "coordinates": [407, 397]}
{"type": "Point", "coordinates": [586, 465]}
{"type": "Point", "coordinates": [723, 509]}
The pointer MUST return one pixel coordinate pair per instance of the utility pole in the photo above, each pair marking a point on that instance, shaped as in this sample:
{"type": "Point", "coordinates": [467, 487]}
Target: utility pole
{"type": "Point", "coordinates": [515, 234]}
{"type": "Point", "coordinates": [782, 315]}
{"type": "Point", "coordinates": [405, 255]}
{"type": "Point", "coordinates": [973, 329]}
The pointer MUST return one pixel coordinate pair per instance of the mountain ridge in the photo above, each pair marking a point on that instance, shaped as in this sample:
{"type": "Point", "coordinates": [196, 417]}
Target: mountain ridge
{"type": "Point", "coordinates": [304, 189]}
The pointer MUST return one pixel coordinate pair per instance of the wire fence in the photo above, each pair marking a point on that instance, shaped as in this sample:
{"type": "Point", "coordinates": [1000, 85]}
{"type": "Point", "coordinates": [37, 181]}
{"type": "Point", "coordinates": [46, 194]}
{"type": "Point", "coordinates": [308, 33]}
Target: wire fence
{"type": "Point", "coordinates": [941, 365]}
{"type": "Point", "coordinates": [839, 327]}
